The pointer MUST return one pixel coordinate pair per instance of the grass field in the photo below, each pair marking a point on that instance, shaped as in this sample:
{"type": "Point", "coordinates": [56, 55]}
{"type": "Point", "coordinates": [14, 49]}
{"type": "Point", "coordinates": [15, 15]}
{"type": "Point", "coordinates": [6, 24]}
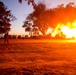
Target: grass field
{"type": "Point", "coordinates": [38, 57]}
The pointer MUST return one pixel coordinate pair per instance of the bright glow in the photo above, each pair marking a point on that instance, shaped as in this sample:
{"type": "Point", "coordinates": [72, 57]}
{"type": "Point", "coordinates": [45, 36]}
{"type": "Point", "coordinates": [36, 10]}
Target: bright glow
{"type": "Point", "coordinates": [66, 31]}
{"type": "Point", "coordinates": [49, 30]}
{"type": "Point", "coordinates": [69, 30]}
{"type": "Point", "coordinates": [56, 31]}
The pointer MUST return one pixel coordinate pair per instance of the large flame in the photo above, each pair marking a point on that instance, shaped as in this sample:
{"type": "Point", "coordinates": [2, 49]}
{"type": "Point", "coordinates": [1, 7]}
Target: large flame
{"type": "Point", "coordinates": [68, 29]}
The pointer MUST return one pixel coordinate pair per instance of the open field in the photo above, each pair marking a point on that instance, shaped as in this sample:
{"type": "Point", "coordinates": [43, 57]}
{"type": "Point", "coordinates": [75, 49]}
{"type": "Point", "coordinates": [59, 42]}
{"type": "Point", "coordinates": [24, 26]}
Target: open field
{"type": "Point", "coordinates": [38, 57]}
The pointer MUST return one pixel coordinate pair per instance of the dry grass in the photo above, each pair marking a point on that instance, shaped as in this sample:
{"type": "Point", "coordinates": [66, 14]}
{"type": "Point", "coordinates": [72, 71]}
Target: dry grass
{"type": "Point", "coordinates": [38, 57]}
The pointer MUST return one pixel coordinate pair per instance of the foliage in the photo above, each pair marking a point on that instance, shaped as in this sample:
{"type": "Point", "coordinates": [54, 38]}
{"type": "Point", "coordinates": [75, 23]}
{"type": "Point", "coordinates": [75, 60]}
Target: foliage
{"type": "Point", "coordinates": [36, 16]}
{"type": "Point", "coordinates": [31, 28]}
{"type": "Point", "coordinates": [45, 18]}
{"type": "Point", "coordinates": [5, 18]}
{"type": "Point", "coordinates": [29, 1]}
{"type": "Point", "coordinates": [27, 26]}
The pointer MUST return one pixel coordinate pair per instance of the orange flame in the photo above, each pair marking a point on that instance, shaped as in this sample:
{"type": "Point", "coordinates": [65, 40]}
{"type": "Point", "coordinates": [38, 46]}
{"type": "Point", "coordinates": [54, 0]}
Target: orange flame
{"type": "Point", "coordinates": [69, 30]}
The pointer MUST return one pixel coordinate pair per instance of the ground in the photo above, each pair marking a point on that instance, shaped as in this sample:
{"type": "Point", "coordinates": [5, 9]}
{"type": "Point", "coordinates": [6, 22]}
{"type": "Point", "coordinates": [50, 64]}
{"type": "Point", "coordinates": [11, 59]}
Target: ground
{"type": "Point", "coordinates": [38, 57]}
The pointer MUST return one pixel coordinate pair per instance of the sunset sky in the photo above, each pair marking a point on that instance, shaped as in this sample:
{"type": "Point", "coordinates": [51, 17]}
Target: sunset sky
{"type": "Point", "coordinates": [20, 11]}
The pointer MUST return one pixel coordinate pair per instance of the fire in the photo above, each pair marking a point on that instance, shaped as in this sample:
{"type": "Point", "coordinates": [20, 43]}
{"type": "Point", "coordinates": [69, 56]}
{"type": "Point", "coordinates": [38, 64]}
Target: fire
{"type": "Point", "coordinates": [68, 29]}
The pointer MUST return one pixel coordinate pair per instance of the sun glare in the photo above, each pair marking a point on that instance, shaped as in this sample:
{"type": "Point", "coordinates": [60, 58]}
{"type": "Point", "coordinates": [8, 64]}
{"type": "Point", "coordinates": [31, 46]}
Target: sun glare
{"type": "Point", "coordinates": [68, 29]}
{"type": "Point", "coordinates": [69, 32]}
{"type": "Point", "coordinates": [49, 30]}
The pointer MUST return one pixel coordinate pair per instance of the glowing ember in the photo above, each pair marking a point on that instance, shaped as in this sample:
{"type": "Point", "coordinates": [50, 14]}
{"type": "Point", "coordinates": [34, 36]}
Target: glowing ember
{"type": "Point", "coordinates": [69, 30]}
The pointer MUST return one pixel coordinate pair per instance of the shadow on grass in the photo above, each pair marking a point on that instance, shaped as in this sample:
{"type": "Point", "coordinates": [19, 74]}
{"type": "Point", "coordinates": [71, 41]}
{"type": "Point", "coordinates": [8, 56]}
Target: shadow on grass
{"type": "Point", "coordinates": [24, 71]}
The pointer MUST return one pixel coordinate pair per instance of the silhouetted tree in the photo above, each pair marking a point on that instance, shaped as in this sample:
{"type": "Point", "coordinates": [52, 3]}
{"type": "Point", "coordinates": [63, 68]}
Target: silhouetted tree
{"type": "Point", "coordinates": [65, 14]}
{"type": "Point", "coordinates": [5, 18]}
{"type": "Point", "coordinates": [32, 29]}
{"type": "Point", "coordinates": [29, 1]}
{"type": "Point", "coordinates": [27, 25]}
{"type": "Point", "coordinates": [35, 30]}
{"type": "Point", "coordinates": [37, 16]}
{"type": "Point", "coordinates": [45, 18]}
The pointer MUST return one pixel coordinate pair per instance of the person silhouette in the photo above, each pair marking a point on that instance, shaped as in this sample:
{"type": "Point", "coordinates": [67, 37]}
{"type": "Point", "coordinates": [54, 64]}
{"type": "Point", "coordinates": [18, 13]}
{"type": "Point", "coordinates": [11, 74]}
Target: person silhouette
{"type": "Point", "coordinates": [6, 38]}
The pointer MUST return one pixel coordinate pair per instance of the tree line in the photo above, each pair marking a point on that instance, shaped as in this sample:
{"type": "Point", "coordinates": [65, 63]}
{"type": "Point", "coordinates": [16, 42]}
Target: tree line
{"type": "Point", "coordinates": [44, 18]}
{"type": "Point", "coordinates": [41, 18]}
{"type": "Point", "coordinates": [6, 16]}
